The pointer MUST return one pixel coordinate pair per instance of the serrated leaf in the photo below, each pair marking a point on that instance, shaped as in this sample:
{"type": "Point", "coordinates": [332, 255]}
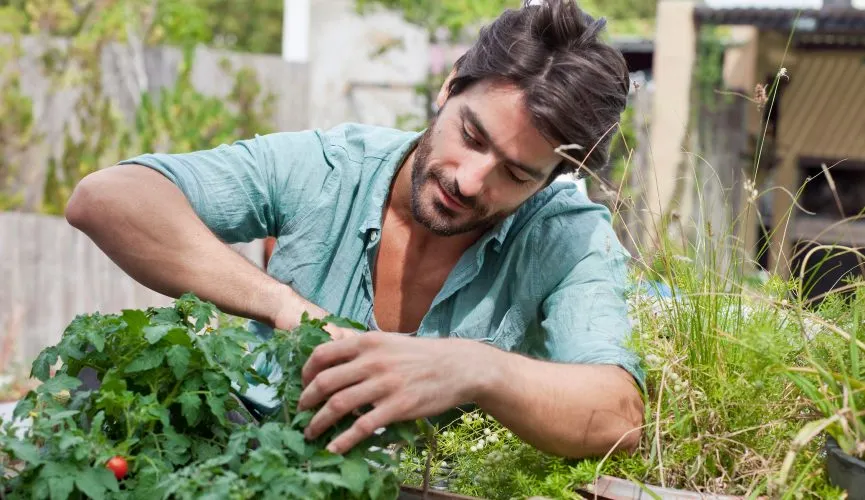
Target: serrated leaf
{"type": "Point", "coordinates": [217, 407]}
{"type": "Point", "coordinates": [60, 479]}
{"type": "Point", "coordinates": [190, 406]}
{"type": "Point", "coordinates": [96, 338]}
{"type": "Point", "coordinates": [344, 323]}
{"type": "Point", "coordinates": [355, 472]}
{"type": "Point", "coordinates": [24, 451]}
{"type": "Point", "coordinates": [294, 441]}
{"type": "Point", "coordinates": [112, 381]}
{"type": "Point", "coordinates": [95, 482]}
{"type": "Point", "coordinates": [178, 359]}
{"type": "Point", "coordinates": [56, 417]}
{"type": "Point", "coordinates": [383, 486]}
{"type": "Point", "coordinates": [148, 360]}
{"type": "Point", "coordinates": [135, 321]}
{"type": "Point", "coordinates": [58, 383]}
{"type": "Point", "coordinates": [302, 419]}
{"type": "Point", "coordinates": [154, 334]}
{"type": "Point", "coordinates": [69, 441]}
{"type": "Point", "coordinates": [323, 458]}
{"type": "Point", "coordinates": [327, 478]}
{"type": "Point", "coordinates": [178, 336]}
{"type": "Point", "coordinates": [41, 367]}
{"type": "Point", "coordinates": [23, 408]}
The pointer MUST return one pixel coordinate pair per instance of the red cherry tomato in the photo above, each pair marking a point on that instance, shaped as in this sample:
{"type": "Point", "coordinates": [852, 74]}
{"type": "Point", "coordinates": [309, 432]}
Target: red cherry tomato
{"type": "Point", "coordinates": [118, 466]}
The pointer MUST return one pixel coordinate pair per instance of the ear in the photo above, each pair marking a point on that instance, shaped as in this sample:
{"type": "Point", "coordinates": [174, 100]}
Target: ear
{"type": "Point", "coordinates": [443, 92]}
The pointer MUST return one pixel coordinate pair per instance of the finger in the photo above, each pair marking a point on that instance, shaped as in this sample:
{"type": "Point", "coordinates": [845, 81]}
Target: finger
{"type": "Point", "coordinates": [337, 333]}
{"type": "Point", "coordinates": [326, 355]}
{"type": "Point", "coordinates": [328, 382]}
{"type": "Point", "coordinates": [365, 426]}
{"type": "Point", "coordinates": [342, 403]}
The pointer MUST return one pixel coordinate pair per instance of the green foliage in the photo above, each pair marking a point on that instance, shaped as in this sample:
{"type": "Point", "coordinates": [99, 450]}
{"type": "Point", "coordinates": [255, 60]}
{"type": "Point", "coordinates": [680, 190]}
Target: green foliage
{"type": "Point", "coordinates": [169, 381]}
{"type": "Point", "coordinates": [16, 127]}
{"type": "Point", "coordinates": [176, 118]}
{"type": "Point", "coordinates": [731, 385]}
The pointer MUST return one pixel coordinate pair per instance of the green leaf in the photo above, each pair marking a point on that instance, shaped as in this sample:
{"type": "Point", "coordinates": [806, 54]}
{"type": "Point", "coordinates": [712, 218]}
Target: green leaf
{"type": "Point", "coordinates": [154, 334]}
{"type": "Point", "coordinates": [41, 367]}
{"type": "Point", "coordinates": [60, 382]}
{"type": "Point", "coordinates": [302, 419]}
{"type": "Point", "coordinates": [344, 323]}
{"type": "Point", "coordinates": [96, 338]}
{"type": "Point", "coordinates": [149, 359]}
{"type": "Point", "coordinates": [23, 408]}
{"type": "Point", "coordinates": [294, 441]}
{"type": "Point", "coordinates": [112, 381]}
{"type": "Point", "coordinates": [69, 441]}
{"type": "Point", "coordinates": [323, 458]}
{"type": "Point", "coordinates": [60, 479]}
{"type": "Point", "coordinates": [355, 472]}
{"type": "Point", "coordinates": [326, 478]}
{"type": "Point", "coordinates": [135, 320]}
{"type": "Point", "coordinates": [24, 451]}
{"type": "Point", "coordinates": [178, 359]}
{"type": "Point", "coordinates": [190, 406]}
{"type": "Point", "coordinates": [57, 417]}
{"type": "Point", "coordinates": [383, 486]}
{"type": "Point", "coordinates": [217, 407]}
{"type": "Point", "coordinates": [94, 482]}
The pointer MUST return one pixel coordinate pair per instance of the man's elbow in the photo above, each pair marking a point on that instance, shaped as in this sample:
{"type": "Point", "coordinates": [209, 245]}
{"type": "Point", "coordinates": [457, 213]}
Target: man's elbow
{"type": "Point", "coordinates": [88, 200]}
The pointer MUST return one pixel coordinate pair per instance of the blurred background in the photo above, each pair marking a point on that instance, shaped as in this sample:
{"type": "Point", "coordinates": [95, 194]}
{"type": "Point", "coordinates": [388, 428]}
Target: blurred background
{"type": "Point", "coordinates": [743, 145]}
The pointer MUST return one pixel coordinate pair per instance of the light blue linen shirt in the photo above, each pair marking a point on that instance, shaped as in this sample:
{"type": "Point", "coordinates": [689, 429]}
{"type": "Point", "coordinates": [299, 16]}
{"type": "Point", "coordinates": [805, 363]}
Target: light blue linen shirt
{"type": "Point", "coordinates": [548, 282]}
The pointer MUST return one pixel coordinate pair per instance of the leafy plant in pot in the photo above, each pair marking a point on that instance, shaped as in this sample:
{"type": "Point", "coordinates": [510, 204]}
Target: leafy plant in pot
{"type": "Point", "coordinates": [833, 381]}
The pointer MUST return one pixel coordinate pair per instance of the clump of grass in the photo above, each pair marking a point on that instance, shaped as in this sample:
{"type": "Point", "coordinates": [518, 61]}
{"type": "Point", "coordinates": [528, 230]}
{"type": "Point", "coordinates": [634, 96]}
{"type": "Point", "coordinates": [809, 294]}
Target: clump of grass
{"type": "Point", "coordinates": [722, 411]}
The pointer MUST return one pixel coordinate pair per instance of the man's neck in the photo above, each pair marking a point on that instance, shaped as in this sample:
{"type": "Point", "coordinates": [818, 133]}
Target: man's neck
{"type": "Point", "coordinates": [421, 239]}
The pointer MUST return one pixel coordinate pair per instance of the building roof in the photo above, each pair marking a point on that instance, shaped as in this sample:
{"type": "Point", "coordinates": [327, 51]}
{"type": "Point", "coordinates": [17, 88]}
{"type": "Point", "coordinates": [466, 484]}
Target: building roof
{"type": "Point", "coordinates": [826, 20]}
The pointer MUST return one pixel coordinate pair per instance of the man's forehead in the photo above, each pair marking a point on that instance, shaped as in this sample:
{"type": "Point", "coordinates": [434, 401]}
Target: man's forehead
{"type": "Point", "coordinates": [499, 111]}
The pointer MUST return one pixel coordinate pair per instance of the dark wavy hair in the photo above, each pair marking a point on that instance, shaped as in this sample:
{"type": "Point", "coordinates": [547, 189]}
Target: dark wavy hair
{"type": "Point", "coordinates": [575, 85]}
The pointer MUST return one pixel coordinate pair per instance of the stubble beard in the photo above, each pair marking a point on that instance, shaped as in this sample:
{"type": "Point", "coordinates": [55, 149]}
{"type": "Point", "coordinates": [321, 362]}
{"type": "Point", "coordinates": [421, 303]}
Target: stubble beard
{"type": "Point", "coordinates": [433, 215]}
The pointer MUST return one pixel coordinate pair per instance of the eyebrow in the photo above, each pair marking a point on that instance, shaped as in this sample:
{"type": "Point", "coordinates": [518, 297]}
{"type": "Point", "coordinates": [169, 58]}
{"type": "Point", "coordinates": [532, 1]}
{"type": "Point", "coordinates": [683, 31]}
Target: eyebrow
{"type": "Point", "coordinates": [468, 115]}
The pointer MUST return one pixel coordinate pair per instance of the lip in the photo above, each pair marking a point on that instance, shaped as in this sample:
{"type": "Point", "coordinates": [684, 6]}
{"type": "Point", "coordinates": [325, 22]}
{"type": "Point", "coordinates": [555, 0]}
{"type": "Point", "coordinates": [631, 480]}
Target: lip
{"type": "Point", "coordinates": [448, 200]}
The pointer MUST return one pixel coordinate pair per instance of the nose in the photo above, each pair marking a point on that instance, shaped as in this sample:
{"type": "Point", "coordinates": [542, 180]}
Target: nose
{"type": "Point", "coordinates": [473, 174]}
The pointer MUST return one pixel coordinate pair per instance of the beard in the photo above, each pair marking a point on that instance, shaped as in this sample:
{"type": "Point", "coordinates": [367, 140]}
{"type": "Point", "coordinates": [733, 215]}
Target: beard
{"type": "Point", "coordinates": [429, 211]}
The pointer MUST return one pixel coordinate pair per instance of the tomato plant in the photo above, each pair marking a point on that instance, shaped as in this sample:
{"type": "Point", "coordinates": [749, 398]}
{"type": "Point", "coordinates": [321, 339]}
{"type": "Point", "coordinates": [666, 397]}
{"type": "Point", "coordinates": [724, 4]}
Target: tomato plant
{"type": "Point", "coordinates": [162, 387]}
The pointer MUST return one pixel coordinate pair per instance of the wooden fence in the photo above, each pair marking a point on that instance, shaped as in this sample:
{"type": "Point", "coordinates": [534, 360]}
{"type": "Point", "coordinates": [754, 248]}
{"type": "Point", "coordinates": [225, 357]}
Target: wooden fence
{"type": "Point", "coordinates": [49, 273]}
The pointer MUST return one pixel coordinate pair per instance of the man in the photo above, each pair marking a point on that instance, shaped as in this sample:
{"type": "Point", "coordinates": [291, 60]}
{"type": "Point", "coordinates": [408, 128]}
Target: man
{"type": "Point", "coordinates": [496, 286]}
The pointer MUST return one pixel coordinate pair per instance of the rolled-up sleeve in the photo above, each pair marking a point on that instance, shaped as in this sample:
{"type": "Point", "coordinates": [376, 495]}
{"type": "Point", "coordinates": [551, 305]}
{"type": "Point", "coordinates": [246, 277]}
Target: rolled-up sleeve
{"type": "Point", "coordinates": [248, 189]}
{"type": "Point", "coordinates": [585, 318]}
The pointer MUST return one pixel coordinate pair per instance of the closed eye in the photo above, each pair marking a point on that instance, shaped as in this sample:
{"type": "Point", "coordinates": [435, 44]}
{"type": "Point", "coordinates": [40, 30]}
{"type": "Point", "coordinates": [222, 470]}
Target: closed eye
{"type": "Point", "coordinates": [469, 140]}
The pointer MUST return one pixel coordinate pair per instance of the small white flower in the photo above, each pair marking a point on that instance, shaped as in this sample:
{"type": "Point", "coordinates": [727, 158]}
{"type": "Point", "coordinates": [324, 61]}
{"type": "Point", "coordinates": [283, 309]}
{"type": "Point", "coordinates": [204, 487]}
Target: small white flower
{"type": "Point", "coordinates": [493, 438]}
{"type": "Point", "coordinates": [509, 435]}
{"type": "Point", "coordinates": [474, 448]}
{"type": "Point", "coordinates": [480, 444]}
{"type": "Point", "coordinates": [423, 453]}
{"type": "Point", "coordinates": [443, 464]}
{"type": "Point", "coordinates": [677, 387]}
{"type": "Point", "coordinates": [653, 359]}
{"type": "Point", "coordinates": [487, 432]}
{"type": "Point", "coordinates": [674, 376]}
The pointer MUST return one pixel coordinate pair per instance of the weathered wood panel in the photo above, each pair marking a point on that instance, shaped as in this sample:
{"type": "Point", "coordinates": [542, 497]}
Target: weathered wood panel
{"type": "Point", "coordinates": [49, 273]}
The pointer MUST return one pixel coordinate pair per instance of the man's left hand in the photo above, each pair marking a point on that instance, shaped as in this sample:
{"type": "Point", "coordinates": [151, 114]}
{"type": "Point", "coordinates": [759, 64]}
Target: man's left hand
{"type": "Point", "coordinates": [403, 378]}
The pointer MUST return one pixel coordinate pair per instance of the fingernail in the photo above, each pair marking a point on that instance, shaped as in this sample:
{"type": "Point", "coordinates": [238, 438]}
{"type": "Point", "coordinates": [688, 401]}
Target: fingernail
{"type": "Point", "coordinates": [332, 448]}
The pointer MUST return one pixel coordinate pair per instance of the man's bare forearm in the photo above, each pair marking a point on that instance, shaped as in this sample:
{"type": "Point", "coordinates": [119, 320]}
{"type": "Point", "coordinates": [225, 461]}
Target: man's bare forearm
{"type": "Point", "coordinates": [568, 410]}
{"type": "Point", "coordinates": [142, 221]}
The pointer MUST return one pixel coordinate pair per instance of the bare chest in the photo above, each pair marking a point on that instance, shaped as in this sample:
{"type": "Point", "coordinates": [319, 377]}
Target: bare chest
{"type": "Point", "coordinates": [405, 285]}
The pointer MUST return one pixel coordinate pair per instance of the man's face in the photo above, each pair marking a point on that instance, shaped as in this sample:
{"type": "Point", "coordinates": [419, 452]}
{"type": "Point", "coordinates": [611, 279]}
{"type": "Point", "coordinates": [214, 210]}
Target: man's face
{"type": "Point", "coordinates": [480, 159]}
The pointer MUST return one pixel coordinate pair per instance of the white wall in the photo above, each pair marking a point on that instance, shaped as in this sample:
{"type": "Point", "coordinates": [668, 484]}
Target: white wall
{"type": "Point", "coordinates": [342, 44]}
